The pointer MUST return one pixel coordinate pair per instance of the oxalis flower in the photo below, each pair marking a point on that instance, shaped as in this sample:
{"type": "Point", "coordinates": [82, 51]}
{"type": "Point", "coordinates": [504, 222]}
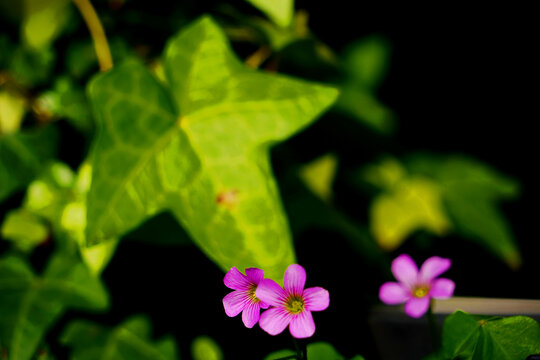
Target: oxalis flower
{"type": "Point", "coordinates": [292, 305]}
{"type": "Point", "coordinates": [417, 288]}
{"type": "Point", "coordinates": [243, 299]}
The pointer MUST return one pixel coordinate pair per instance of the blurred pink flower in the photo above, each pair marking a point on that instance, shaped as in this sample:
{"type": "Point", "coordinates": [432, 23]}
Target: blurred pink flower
{"type": "Point", "coordinates": [243, 299]}
{"type": "Point", "coordinates": [292, 305]}
{"type": "Point", "coordinates": [417, 288]}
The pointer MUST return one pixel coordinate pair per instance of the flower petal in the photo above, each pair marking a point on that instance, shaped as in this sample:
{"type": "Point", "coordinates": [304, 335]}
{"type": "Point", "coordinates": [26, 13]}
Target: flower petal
{"type": "Point", "coordinates": [270, 292]}
{"type": "Point", "coordinates": [302, 325]}
{"type": "Point", "coordinates": [234, 279]}
{"type": "Point", "coordinates": [416, 307]}
{"type": "Point", "coordinates": [433, 267]}
{"type": "Point", "coordinates": [295, 279]}
{"type": "Point", "coordinates": [250, 315]}
{"type": "Point", "coordinates": [392, 293]}
{"type": "Point", "coordinates": [405, 270]}
{"type": "Point", "coordinates": [442, 288]}
{"type": "Point", "coordinates": [275, 320]}
{"type": "Point", "coordinates": [316, 299]}
{"type": "Point", "coordinates": [235, 302]}
{"type": "Point", "coordinates": [254, 275]}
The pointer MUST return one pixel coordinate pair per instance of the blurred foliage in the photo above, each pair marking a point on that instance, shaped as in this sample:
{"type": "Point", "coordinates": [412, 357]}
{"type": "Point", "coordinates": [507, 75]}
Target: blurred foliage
{"type": "Point", "coordinates": [130, 340]}
{"type": "Point", "coordinates": [29, 305]}
{"type": "Point", "coordinates": [481, 337]}
{"type": "Point", "coordinates": [315, 351]}
{"type": "Point", "coordinates": [181, 131]}
{"type": "Point", "coordinates": [441, 194]}
{"type": "Point", "coordinates": [205, 348]}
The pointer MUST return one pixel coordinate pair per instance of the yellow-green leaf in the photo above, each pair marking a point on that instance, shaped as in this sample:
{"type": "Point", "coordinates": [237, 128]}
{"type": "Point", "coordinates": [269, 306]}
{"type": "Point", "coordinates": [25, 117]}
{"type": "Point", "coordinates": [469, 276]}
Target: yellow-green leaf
{"type": "Point", "coordinates": [413, 204]}
{"type": "Point", "coordinates": [279, 11]}
{"type": "Point", "coordinates": [199, 148]}
{"type": "Point", "coordinates": [319, 175]}
{"type": "Point", "coordinates": [12, 109]}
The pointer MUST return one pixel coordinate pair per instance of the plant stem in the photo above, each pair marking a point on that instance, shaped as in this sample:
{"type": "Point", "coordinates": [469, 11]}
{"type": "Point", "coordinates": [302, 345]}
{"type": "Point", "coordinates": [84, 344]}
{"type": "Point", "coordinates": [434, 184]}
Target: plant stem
{"type": "Point", "coordinates": [433, 328]}
{"type": "Point", "coordinates": [301, 350]}
{"type": "Point", "coordinates": [98, 34]}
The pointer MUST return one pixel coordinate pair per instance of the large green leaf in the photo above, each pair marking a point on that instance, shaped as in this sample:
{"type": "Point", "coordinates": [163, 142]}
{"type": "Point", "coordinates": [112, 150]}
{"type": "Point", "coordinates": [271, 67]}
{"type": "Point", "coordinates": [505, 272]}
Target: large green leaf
{"type": "Point", "coordinates": [23, 155]}
{"type": "Point", "coordinates": [29, 305]}
{"type": "Point", "coordinates": [130, 340]}
{"type": "Point", "coordinates": [495, 338]}
{"type": "Point", "coordinates": [471, 191]}
{"type": "Point", "coordinates": [202, 152]}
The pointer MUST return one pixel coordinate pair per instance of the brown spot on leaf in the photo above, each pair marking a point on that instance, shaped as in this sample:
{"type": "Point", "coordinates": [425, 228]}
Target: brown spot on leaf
{"type": "Point", "coordinates": [228, 198]}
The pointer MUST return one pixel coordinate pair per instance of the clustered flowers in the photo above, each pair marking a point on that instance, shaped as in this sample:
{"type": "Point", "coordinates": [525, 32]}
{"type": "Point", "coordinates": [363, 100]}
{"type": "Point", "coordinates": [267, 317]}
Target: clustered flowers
{"type": "Point", "coordinates": [288, 306]}
{"type": "Point", "coordinates": [291, 305]}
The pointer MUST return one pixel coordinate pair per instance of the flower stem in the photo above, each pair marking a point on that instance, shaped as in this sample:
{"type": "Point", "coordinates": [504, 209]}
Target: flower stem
{"type": "Point", "coordinates": [433, 328]}
{"type": "Point", "coordinates": [301, 349]}
{"type": "Point", "coordinates": [98, 34]}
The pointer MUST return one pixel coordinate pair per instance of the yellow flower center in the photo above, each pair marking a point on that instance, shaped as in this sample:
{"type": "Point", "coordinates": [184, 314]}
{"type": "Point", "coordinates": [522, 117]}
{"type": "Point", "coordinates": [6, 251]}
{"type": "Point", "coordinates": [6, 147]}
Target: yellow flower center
{"type": "Point", "coordinates": [421, 291]}
{"type": "Point", "coordinates": [251, 294]}
{"type": "Point", "coordinates": [295, 305]}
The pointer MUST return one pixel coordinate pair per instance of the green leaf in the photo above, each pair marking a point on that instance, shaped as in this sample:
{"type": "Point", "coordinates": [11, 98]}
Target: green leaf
{"type": "Point", "coordinates": [315, 351]}
{"type": "Point", "coordinates": [366, 62]}
{"type": "Point", "coordinates": [29, 305]}
{"type": "Point", "coordinates": [67, 100]}
{"type": "Point", "coordinates": [22, 157]}
{"type": "Point", "coordinates": [319, 175]}
{"type": "Point", "coordinates": [279, 11]}
{"type": "Point", "coordinates": [410, 203]}
{"type": "Point", "coordinates": [43, 21]}
{"type": "Point", "coordinates": [471, 191]}
{"type": "Point", "coordinates": [12, 110]}
{"type": "Point", "coordinates": [472, 337]}
{"type": "Point", "coordinates": [201, 152]}
{"type": "Point", "coordinates": [205, 348]}
{"type": "Point", "coordinates": [130, 340]}
{"type": "Point", "coordinates": [24, 229]}
{"type": "Point", "coordinates": [363, 106]}
{"type": "Point", "coordinates": [30, 67]}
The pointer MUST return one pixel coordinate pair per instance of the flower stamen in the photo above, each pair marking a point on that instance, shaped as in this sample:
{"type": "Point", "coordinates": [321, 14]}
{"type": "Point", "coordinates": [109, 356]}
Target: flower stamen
{"type": "Point", "coordinates": [295, 305]}
{"type": "Point", "coordinates": [421, 291]}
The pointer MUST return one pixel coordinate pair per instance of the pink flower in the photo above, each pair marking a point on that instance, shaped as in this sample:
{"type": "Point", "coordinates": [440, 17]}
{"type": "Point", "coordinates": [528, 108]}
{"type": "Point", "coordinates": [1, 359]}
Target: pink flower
{"type": "Point", "coordinates": [416, 288]}
{"type": "Point", "coordinates": [243, 299]}
{"type": "Point", "coordinates": [292, 305]}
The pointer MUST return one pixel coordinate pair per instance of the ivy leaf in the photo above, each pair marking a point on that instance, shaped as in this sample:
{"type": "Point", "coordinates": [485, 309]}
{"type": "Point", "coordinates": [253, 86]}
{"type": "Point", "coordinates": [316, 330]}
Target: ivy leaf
{"type": "Point", "coordinates": [279, 11]}
{"type": "Point", "coordinates": [29, 305]}
{"type": "Point", "coordinates": [471, 337]}
{"type": "Point", "coordinates": [471, 191]}
{"type": "Point", "coordinates": [199, 149]}
{"type": "Point", "coordinates": [130, 340]}
{"type": "Point", "coordinates": [22, 157]}
{"type": "Point", "coordinates": [409, 203]}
